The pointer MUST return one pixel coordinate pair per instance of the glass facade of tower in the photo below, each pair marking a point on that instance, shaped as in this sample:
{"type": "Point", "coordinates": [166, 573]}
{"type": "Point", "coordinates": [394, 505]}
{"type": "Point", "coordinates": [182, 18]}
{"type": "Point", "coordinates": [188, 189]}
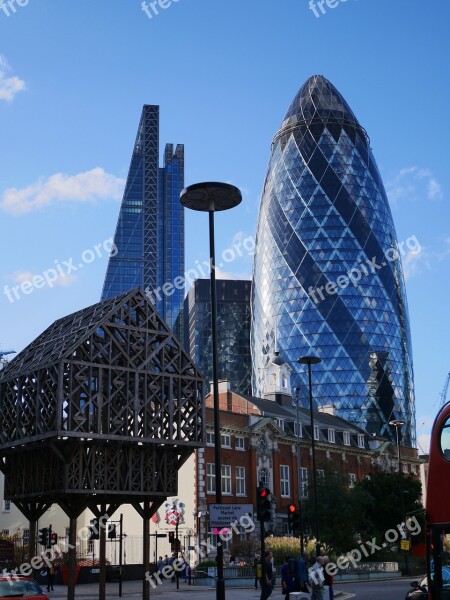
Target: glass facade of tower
{"type": "Point", "coordinates": [327, 275]}
{"type": "Point", "coordinates": [150, 230]}
{"type": "Point", "coordinates": [233, 330]}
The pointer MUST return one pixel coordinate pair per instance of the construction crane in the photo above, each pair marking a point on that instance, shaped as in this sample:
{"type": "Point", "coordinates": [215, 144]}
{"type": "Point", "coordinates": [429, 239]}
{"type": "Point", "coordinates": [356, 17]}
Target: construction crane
{"type": "Point", "coordinates": [445, 390]}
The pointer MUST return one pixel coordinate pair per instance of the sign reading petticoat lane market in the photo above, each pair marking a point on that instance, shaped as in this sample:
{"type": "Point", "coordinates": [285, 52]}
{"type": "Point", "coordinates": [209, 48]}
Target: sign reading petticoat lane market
{"type": "Point", "coordinates": [221, 516]}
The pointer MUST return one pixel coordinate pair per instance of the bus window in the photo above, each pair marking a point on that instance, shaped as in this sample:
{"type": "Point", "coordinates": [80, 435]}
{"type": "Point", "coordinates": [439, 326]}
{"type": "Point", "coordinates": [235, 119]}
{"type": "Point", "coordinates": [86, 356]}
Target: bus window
{"type": "Point", "coordinates": [445, 439]}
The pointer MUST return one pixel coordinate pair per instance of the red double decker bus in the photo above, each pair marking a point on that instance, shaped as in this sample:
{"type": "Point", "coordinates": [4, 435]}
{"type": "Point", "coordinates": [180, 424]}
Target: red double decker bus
{"type": "Point", "coordinates": [438, 508]}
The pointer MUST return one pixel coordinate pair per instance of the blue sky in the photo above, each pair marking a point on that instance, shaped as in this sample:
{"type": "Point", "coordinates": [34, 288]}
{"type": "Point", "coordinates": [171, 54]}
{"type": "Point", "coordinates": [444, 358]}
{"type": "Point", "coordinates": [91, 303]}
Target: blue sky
{"type": "Point", "coordinates": [74, 77]}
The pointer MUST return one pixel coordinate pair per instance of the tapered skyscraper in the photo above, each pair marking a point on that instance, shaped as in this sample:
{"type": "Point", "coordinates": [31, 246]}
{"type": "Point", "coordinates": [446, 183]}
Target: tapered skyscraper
{"type": "Point", "coordinates": [327, 275]}
{"type": "Point", "coordinates": [150, 229]}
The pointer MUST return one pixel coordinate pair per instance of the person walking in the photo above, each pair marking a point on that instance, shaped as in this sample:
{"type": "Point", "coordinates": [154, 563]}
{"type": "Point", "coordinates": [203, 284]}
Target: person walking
{"type": "Point", "coordinates": [316, 579]}
{"type": "Point", "coordinates": [287, 578]}
{"type": "Point", "coordinates": [267, 577]}
{"type": "Point", "coordinates": [257, 567]}
{"type": "Point", "coordinates": [160, 564]}
{"type": "Point", "coordinates": [328, 579]}
{"type": "Point", "coordinates": [50, 577]}
{"type": "Point", "coordinates": [301, 575]}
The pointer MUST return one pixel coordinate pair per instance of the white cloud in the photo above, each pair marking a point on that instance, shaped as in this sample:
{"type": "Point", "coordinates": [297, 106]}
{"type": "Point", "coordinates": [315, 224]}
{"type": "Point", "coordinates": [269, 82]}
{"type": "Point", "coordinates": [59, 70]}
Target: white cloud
{"type": "Point", "coordinates": [9, 86]}
{"type": "Point", "coordinates": [415, 262]}
{"type": "Point", "coordinates": [83, 187]}
{"type": "Point", "coordinates": [23, 276]}
{"type": "Point", "coordinates": [414, 183]}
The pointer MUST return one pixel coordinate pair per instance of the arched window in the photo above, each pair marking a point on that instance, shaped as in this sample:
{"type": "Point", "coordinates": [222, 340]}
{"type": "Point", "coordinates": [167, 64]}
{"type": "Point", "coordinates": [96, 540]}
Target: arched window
{"type": "Point", "coordinates": [263, 478]}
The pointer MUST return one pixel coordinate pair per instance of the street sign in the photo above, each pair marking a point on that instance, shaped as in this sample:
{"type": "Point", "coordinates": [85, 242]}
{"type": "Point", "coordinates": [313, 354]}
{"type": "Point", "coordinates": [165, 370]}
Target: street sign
{"type": "Point", "coordinates": [405, 545]}
{"type": "Point", "coordinates": [221, 516]}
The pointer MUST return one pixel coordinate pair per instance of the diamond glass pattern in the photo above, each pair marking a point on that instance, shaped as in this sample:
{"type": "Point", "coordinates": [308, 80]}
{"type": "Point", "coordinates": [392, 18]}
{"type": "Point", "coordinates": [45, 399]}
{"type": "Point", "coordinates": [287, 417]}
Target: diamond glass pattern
{"type": "Point", "coordinates": [324, 214]}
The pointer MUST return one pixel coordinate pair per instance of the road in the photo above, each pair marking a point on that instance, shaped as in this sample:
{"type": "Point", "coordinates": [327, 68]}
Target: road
{"type": "Point", "coordinates": [393, 589]}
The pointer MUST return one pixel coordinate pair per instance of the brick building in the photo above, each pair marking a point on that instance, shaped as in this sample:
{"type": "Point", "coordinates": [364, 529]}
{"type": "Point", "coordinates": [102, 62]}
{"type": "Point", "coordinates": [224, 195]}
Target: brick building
{"type": "Point", "coordinates": [259, 444]}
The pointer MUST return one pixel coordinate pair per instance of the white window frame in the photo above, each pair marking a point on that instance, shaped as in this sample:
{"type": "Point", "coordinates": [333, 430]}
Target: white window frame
{"type": "Point", "coordinates": [5, 532]}
{"type": "Point", "coordinates": [304, 482]}
{"type": "Point", "coordinates": [320, 474]}
{"type": "Point", "coordinates": [280, 423]}
{"type": "Point", "coordinates": [240, 482]}
{"type": "Point", "coordinates": [210, 438]}
{"type": "Point", "coordinates": [351, 480]}
{"type": "Point", "coordinates": [285, 481]}
{"type": "Point", "coordinates": [241, 445]}
{"type": "Point", "coordinates": [7, 506]}
{"type": "Point", "coordinates": [210, 478]}
{"type": "Point", "coordinates": [361, 440]}
{"type": "Point", "coordinates": [331, 435]}
{"type": "Point", "coordinates": [405, 468]}
{"type": "Point", "coordinates": [26, 536]}
{"type": "Point", "coordinates": [226, 480]}
{"type": "Point", "coordinates": [347, 438]}
{"type": "Point", "coordinates": [316, 433]}
{"type": "Point", "coordinates": [225, 440]}
{"type": "Point", "coordinates": [300, 429]}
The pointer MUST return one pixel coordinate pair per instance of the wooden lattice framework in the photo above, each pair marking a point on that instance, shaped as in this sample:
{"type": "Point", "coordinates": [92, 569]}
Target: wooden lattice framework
{"type": "Point", "coordinates": [107, 400]}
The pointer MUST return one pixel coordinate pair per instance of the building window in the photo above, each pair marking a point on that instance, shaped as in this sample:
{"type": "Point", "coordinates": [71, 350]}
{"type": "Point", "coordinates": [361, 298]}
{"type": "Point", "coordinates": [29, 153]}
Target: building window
{"type": "Point", "coordinates": [361, 443]}
{"type": "Point", "coordinates": [5, 532]}
{"type": "Point", "coordinates": [316, 432]}
{"type": "Point", "coordinates": [405, 468]}
{"type": "Point", "coordinates": [225, 440]}
{"type": "Point", "coordinates": [298, 429]}
{"type": "Point", "coordinates": [6, 505]}
{"type": "Point", "coordinates": [280, 423]}
{"type": "Point", "coordinates": [263, 478]}
{"type": "Point", "coordinates": [413, 469]}
{"type": "Point", "coordinates": [304, 482]}
{"type": "Point", "coordinates": [331, 436]}
{"type": "Point", "coordinates": [239, 442]}
{"type": "Point", "coordinates": [26, 536]}
{"type": "Point", "coordinates": [347, 438]}
{"type": "Point", "coordinates": [351, 480]}
{"type": "Point", "coordinates": [90, 547]}
{"type": "Point", "coordinates": [284, 481]}
{"type": "Point", "coordinates": [210, 438]}
{"type": "Point", "coordinates": [240, 481]}
{"type": "Point", "coordinates": [320, 475]}
{"type": "Point", "coordinates": [210, 478]}
{"type": "Point", "coordinates": [226, 479]}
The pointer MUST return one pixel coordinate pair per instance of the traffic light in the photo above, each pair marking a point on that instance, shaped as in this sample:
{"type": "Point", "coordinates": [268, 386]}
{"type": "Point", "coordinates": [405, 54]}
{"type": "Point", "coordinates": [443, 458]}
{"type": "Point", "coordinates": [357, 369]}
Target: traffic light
{"type": "Point", "coordinates": [43, 536]}
{"type": "Point", "coordinates": [171, 537]}
{"type": "Point", "coordinates": [293, 518]}
{"type": "Point", "coordinates": [94, 531]}
{"type": "Point", "coordinates": [111, 531]}
{"type": "Point", "coordinates": [54, 539]}
{"type": "Point", "coordinates": [263, 504]}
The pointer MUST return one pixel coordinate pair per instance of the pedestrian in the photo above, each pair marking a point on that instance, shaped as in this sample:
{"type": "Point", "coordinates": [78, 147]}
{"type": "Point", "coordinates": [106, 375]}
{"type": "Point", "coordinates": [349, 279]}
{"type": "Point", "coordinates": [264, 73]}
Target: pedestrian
{"type": "Point", "coordinates": [316, 579]}
{"type": "Point", "coordinates": [160, 564]}
{"type": "Point", "coordinates": [171, 561]}
{"type": "Point", "coordinates": [301, 575]}
{"type": "Point", "coordinates": [257, 567]}
{"type": "Point", "coordinates": [267, 580]}
{"type": "Point", "coordinates": [328, 579]}
{"type": "Point", "coordinates": [166, 560]}
{"type": "Point", "coordinates": [287, 577]}
{"type": "Point", "coordinates": [50, 577]}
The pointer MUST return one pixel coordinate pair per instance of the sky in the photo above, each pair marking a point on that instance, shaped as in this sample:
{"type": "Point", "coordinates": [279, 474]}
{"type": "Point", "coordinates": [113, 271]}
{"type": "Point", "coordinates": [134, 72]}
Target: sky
{"type": "Point", "coordinates": [74, 77]}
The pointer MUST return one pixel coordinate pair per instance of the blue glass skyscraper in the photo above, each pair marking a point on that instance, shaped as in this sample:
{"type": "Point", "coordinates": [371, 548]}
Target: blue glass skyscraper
{"type": "Point", "coordinates": [327, 273]}
{"type": "Point", "coordinates": [150, 229]}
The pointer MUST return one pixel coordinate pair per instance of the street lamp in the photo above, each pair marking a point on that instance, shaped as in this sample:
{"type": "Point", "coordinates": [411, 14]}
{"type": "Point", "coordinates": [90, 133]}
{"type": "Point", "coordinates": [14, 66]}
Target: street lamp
{"type": "Point", "coordinates": [211, 197]}
{"type": "Point", "coordinates": [312, 360]}
{"type": "Point", "coordinates": [299, 472]}
{"type": "Point", "coordinates": [397, 424]}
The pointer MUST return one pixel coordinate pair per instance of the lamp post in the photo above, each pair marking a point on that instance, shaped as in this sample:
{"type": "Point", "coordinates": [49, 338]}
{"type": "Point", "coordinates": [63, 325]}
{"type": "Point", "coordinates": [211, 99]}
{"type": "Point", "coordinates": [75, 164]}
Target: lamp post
{"type": "Point", "coordinates": [313, 360]}
{"type": "Point", "coordinates": [212, 197]}
{"type": "Point", "coordinates": [397, 424]}
{"type": "Point", "coordinates": [299, 472]}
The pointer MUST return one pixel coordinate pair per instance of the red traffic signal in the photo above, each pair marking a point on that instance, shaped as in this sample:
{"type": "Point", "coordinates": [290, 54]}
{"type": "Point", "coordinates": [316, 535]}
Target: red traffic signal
{"type": "Point", "coordinates": [293, 518]}
{"type": "Point", "coordinates": [54, 539]}
{"type": "Point", "coordinates": [292, 508]}
{"type": "Point", "coordinates": [263, 504]}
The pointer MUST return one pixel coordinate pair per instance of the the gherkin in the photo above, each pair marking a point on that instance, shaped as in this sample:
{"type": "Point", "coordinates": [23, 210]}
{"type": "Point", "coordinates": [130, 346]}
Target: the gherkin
{"type": "Point", "coordinates": [327, 274]}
